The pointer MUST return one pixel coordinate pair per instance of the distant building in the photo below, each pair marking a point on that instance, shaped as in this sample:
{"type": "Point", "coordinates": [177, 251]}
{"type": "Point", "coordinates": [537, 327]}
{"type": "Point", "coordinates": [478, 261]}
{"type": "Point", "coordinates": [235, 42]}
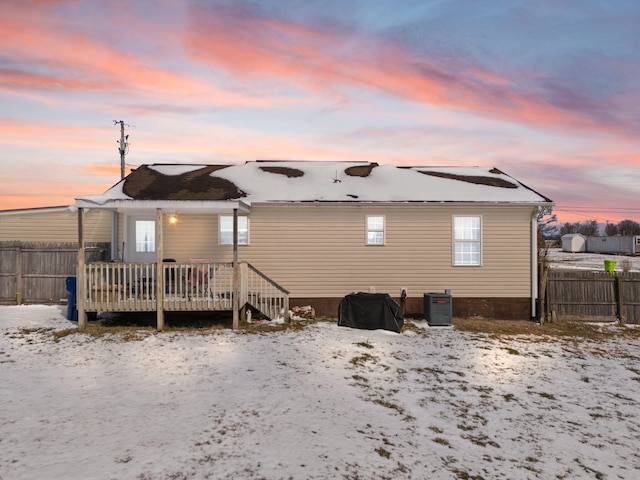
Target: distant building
{"type": "Point", "coordinates": [573, 243]}
{"type": "Point", "coordinates": [623, 245]}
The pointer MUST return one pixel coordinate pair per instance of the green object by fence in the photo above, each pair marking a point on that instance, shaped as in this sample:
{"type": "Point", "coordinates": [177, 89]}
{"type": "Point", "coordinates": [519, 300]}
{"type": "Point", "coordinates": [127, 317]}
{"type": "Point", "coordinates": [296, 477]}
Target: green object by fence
{"type": "Point", "coordinates": [609, 265]}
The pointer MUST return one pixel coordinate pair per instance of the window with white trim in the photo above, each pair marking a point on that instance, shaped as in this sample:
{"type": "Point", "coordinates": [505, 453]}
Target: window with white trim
{"type": "Point", "coordinates": [375, 230]}
{"type": "Point", "coordinates": [467, 241]}
{"type": "Point", "coordinates": [145, 236]}
{"type": "Point", "coordinates": [225, 230]}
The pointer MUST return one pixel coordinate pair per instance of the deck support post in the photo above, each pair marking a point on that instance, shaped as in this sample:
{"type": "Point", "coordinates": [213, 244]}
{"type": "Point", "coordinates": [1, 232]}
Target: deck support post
{"type": "Point", "coordinates": [243, 272]}
{"type": "Point", "coordinates": [80, 276]}
{"type": "Point", "coordinates": [159, 273]}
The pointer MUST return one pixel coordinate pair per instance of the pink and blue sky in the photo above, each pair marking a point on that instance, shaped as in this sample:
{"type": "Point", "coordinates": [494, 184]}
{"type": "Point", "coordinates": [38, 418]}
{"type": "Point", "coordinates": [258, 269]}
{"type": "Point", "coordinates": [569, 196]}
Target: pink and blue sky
{"type": "Point", "coordinates": [547, 91]}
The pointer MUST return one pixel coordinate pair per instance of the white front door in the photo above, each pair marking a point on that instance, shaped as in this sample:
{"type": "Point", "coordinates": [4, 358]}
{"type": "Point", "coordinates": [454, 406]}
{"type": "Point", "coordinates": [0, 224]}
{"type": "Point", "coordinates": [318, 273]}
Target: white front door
{"type": "Point", "coordinates": [140, 244]}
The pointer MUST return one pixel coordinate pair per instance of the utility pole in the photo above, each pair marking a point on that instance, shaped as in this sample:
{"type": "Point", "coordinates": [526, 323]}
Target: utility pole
{"type": "Point", "coordinates": [124, 145]}
{"type": "Point", "coordinates": [123, 149]}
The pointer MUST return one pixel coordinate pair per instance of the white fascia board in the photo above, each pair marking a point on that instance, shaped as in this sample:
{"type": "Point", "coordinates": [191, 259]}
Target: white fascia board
{"type": "Point", "coordinates": [408, 202]}
{"type": "Point", "coordinates": [130, 206]}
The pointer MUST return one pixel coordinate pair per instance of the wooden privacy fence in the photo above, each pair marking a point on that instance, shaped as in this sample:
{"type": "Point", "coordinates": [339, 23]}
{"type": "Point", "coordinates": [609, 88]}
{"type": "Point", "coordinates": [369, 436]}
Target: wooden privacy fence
{"type": "Point", "coordinates": [593, 296]}
{"type": "Point", "coordinates": [36, 272]}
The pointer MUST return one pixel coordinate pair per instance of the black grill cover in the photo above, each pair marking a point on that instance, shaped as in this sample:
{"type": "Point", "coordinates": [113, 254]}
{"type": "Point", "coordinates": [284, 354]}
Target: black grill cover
{"type": "Point", "coordinates": [370, 311]}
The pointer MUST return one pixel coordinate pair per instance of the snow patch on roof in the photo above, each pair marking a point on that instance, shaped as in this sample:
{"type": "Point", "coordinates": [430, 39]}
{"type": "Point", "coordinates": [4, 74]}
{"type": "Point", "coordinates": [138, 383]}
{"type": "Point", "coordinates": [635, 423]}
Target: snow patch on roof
{"type": "Point", "coordinates": [173, 170]}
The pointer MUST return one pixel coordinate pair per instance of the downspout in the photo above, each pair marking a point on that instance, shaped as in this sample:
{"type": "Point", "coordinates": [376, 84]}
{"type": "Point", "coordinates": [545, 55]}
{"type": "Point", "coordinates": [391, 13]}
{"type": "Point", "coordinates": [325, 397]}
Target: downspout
{"type": "Point", "coordinates": [236, 274]}
{"type": "Point", "coordinates": [534, 262]}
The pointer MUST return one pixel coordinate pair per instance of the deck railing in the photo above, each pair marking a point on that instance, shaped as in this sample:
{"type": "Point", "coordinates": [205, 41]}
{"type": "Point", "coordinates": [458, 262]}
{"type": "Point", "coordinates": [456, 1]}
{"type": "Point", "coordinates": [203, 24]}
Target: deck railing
{"type": "Point", "coordinates": [116, 287]}
{"type": "Point", "coordinates": [262, 293]}
{"type": "Point", "coordinates": [202, 286]}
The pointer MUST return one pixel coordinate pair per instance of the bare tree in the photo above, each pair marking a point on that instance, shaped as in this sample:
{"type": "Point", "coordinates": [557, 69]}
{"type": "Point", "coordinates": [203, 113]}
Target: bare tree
{"type": "Point", "coordinates": [546, 229]}
{"type": "Point", "coordinates": [611, 229]}
{"type": "Point", "coordinates": [628, 227]}
{"type": "Point", "coordinates": [568, 228]}
{"type": "Point", "coordinates": [590, 228]}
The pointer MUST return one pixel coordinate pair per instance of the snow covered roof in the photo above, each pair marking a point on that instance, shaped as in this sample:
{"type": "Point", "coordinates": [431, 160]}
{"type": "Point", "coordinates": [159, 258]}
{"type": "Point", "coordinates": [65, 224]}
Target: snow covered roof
{"type": "Point", "coordinates": [311, 181]}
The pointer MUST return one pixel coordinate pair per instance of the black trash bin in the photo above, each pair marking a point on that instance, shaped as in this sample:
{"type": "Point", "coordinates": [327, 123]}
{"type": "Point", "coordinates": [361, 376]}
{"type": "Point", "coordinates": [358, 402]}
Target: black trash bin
{"type": "Point", "coordinates": [72, 310]}
{"type": "Point", "coordinates": [437, 309]}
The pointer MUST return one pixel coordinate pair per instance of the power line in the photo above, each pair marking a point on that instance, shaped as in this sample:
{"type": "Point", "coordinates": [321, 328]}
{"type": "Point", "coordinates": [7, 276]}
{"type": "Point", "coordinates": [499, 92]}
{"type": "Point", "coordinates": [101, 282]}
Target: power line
{"type": "Point", "coordinates": [585, 211]}
{"type": "Point", "coordinates": [597, 208]}
{"type": "Point", "coordinates": [600, 210]}
{"type": "Point", "coordinates": [591, 216]}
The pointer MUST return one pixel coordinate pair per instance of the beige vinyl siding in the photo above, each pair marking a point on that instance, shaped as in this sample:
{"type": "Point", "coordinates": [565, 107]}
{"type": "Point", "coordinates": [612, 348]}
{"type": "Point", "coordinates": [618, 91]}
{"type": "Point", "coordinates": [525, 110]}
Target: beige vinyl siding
{"type": "Point", "coordinates": [55, 226]}
{"type": "Point", "coordinates": [192, 236]}
{"type": "Point", "coordinates": [320, 250]}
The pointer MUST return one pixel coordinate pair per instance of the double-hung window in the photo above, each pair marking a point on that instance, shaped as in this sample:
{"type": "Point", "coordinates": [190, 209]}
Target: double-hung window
{"type": "Point", "coordinates": [467, 241]}
{"type": "Point", "coordinates": [375, 230]}
{"type": "Point", "coordinates": [225, 230]}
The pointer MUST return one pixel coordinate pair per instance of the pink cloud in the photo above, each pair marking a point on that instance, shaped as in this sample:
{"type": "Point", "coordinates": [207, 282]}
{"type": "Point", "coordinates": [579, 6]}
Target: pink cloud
{"type": "Point", "coordinates": [111, 170]}
{"type": "Point", "coordinates": [62, 58]}
{"type": "Point", "coordinates": [44, 134]}
{"type": "Point", "coordinates": [36, 191]}
{"type": "Point", "coordinates": [22, 79]}
{"type": "Point", "coordinates": [320, 58]}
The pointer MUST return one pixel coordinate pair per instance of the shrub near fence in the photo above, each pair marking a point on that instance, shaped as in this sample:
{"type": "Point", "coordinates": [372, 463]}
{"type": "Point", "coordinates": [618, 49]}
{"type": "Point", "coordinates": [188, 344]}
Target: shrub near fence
{"type": "Point", "coordinates": [36, 272]}
{"type": "Point", "coordinates": [593, 296]}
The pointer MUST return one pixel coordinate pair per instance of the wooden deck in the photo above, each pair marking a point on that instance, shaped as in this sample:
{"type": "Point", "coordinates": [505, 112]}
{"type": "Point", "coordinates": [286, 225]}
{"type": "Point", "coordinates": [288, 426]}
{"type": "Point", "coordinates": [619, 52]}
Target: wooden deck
{"type": "Point", "coordinates": [202, 286]}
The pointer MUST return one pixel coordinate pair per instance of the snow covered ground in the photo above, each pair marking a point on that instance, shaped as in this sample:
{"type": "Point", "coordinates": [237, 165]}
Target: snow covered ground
{"type": "Point", "coordinates": [323, 402]}
{"type": "Point", "coordinates": [590, 261]}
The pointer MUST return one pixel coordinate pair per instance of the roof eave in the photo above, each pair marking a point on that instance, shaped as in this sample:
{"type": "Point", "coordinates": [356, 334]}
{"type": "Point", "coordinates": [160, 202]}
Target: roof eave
{"type": "Point", "coordinates": [22, 211]}
{"type": "Point", "coordinates": [532, 203]}
{"type": "Point", "coordinates": [178, 206]}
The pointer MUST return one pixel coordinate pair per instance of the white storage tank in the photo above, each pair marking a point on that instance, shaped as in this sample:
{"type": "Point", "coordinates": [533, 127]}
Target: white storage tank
{"type": "Point", "coordinates": [573, 242]}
